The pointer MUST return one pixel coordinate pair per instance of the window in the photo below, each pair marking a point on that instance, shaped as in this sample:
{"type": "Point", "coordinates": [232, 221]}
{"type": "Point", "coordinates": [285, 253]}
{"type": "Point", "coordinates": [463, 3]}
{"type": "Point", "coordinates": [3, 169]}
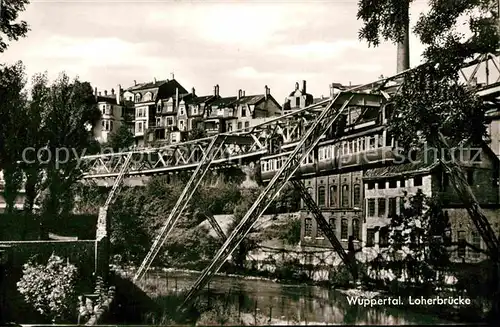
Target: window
{"type": "Point", "coordinates": [308, 227]}
{"type": "Point", "coordinates": [247, 124]}
{"type": "Point", "coordinates": [461, 239]}
{"type": "Point", "coordinates": [470, 177]}
{"type": "Point", "coordinates": [243, 111]}
{"type": "Point", "coordinates": [381, 207]}
{"type": "Point", "coordinates": [229, 127]}
{"type": "Point", "coordinates": [388, 140]}
{"type": "Point", "coordinates": [343, 229]}
{"type": "Point", "coordinates": [148, 96]}
{"type": "Point", "coordinates": [476, 242]}
{"type": "Point", "coordinates": [333, 196]}
{"type": "Point", "coordinates": [195, 110]}
{"type": "Point", "coordinates": [170, 121]}
{"type": "Point", "coordinates": [345, 196]}
{"type": "Point", "coordinates": [362, 144]}
{"type": "Point", "coordinates": [321, 196]}
{"type": "Point", "coordinates": [355, 229]}
{"type": "Point", "coordinates": [357, 195]}
{"type": "Point", "coordinates": [371, 207]}
{"type": "Point", "coordinates": [297, 101]}
{"type": "Point", "coordinates": [158, 107]}
{"type": "Point", "coordinates": [111, 126]}
{"type": "Point", "coordinates": [240, 126]}
{"type": "Point", "coordinates": [392, 207]}
{"type": "Point", "coordinates": [333, 225]}
{"type": "Point", "coordinates": [138, 97]}
{"type": "Point", "coordinates": [372, 142]}
{"type": "Point", "coordinates": [371, 185]}
{"type": "Point", "coordinates": [181, 125]}
{"type": "Point", "coordinates": [417, 181]}
{"type": "Point", "coordinates": [158, 121]}
{"type": "Point", "coordinates": [402, 182]}
{"type": "Point", "coordinates": [475, 155]}
{"type": "Point", "coordinates": [393, 183]}
{"type": "Point", "coordinates": [355, 146]}
{"type": "Point", "coordinates": [139, 127]}
{"type": "Point", "coordinates": [370, 237]}
{"type": "Point", "coordinates": [383, 237]}
{"type": "Point", "coordinates": [181, 109]}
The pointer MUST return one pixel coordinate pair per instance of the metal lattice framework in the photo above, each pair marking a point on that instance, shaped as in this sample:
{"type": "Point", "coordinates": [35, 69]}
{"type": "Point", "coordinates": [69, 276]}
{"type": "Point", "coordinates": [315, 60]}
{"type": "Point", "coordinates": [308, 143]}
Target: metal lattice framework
{"type": "Point", "coordinates": [302, 129]}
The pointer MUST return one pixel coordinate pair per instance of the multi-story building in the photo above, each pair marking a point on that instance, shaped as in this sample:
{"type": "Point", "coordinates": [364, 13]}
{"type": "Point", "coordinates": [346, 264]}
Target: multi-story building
{"type": "Point", "coordinates": [240, 112]}
{"type": "Point", "coordinates": [298, 99]}
{"type": "Point", "coordinates": [114, 111]}
{"type": "Point", "coordinates": [359, 180]}
{"type": "Point", "coordinates": [154, 103]}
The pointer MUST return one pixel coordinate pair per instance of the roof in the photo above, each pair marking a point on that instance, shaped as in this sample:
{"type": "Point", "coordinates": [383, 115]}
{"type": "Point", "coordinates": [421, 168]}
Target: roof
{"type": "Point", "coordinates": [147, 85]}
{"type": "Point", "coordinates": [250, 99]}
{"type": "Point", "coordinates": [224, 101]}
{"type": "Point", "coordinates": [422, 164]}
{"type": "Point", "coordinates": [165, 89]}
{"type": "Point", "coordinates": [109, 98]}
{"type": "Point", "coordinates": [202, 99]}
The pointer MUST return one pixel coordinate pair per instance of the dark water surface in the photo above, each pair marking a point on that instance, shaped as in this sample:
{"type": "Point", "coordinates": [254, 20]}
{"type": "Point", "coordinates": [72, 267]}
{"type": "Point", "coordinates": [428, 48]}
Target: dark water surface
{"type": "Point", "coordinates": [294, 303]}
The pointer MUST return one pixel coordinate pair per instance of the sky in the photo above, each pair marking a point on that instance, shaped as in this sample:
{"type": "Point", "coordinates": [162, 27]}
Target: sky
{"type": "Point", "coordinates": [235, 44]}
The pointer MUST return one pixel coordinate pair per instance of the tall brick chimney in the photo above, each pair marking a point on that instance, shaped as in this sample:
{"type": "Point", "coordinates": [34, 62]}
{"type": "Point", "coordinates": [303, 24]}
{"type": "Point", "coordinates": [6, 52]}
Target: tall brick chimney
{"type": "Point", "coordinates": [267, 92]}
{"type": "Point", "coordinates": [105, 92]}
{"type": "Point", "coordinates": [239, 93]}
{"type": "Point", "coordinates": [403, 57]}
{"type": "Point", "coordinates": [304, 87]}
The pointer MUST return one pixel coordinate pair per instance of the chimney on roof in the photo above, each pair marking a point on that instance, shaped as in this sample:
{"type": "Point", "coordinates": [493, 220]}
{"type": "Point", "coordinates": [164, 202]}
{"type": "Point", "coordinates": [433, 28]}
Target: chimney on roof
{"type": "Point", "coordinates": [135, 82]}
{"type": "Point", "coordinates": [154, 80]}
{"type": "Point", "coordinates": [239, 93]}
{"type": "Point", "coordinates": [193, 91]}
{"type": "Point", "coordinates": [112, 91]}
{"type": "Point", "coordinates": [217, 90]}
{"type": "Point", "coordinates": [243, 93]}
{"type": "Point", "coordinates": [105, 92]}
{"type": "Point", "coordinates": [177, 97]}
{"type": "Point", "coordinates": [304, 86]}
{"type": "Point", "coordinates": [118, 94]}
{"type": "Point", "coordinates": [267, 93]}
{"type": "Point", "coordinates": [95, 93]}
{"type": "Point", "coordinates": [99, 93]}
{"type": "Point", "coordinates": [171, 75]}
{"type": "Point", "coordinates": [296, 86]}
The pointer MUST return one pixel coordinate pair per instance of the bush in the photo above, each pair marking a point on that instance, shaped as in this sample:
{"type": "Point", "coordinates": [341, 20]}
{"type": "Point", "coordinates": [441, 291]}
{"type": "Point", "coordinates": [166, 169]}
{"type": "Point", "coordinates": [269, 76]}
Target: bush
{"type": "Point", "coordinates": [50, 288]}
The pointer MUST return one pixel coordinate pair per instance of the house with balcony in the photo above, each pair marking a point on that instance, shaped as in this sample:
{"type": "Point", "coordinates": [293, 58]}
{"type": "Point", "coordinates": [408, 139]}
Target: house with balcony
{"type": "Point", "coordinates": [241, 112]}
{"type": "Point", "coordinates": [360, 181]}
{"type": "Point", "coordinates": [154, 103]}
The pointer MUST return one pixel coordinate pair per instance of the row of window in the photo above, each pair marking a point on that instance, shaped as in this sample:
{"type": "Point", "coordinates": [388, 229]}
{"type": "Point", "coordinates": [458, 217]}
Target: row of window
{"type": "Point", "coordinates": [147, 97]}
{"type": "Point", "coordinates": [383, 237]}
{"type": "Point", "coordinates": [140, 126]}
{"type": "Point", "coordinates": [382, 207]}
{"type": "Point", "coordinates": [475, 241]}
{"type": "Point", "coordinates": [344, 228]}
{"type": "Point", "coordinates": [106, 109]}
{"type": "Point", "coordinates": [358, 145]}
{"type": "Point", "coordinates": [330, 197]}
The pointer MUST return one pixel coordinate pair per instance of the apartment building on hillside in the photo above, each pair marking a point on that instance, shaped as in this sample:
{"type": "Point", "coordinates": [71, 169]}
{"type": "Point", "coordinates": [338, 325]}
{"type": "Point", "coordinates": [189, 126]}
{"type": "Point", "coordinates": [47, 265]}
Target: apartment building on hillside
{"type": "Point", "coordinates": [115, 111]}
{"type": "Point", "coordinates": [153, 100]}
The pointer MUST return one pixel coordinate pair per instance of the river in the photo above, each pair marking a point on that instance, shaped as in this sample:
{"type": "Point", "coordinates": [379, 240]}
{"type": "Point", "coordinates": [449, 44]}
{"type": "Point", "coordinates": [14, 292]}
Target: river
{"type": "Point", "coordinates": [293, 304]}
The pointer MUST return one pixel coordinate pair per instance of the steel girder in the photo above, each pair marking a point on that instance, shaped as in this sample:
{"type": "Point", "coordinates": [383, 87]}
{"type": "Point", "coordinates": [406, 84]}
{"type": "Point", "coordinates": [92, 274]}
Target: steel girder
{"type": "Point", "coordinates": [307, 144]}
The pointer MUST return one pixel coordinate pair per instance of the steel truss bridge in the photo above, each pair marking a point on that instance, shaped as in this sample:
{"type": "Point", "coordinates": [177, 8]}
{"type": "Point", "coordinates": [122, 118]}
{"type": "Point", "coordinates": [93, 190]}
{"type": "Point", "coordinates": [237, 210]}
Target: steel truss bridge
{"type": "Point", "coordinates": [300, 130]}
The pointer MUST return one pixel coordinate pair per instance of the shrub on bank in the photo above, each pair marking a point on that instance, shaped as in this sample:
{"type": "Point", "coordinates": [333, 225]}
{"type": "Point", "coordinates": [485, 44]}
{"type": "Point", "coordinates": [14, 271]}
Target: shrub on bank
{"type": "Point", "coordinates": [50, 288]}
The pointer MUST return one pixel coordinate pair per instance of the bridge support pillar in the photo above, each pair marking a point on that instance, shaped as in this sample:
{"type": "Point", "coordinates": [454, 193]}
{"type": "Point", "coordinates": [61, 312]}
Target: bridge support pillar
{"type": "Point", "coordinates": [102, 244]}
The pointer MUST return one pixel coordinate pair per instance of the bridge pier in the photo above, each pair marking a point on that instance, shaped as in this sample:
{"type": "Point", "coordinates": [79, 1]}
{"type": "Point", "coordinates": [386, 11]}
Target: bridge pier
{"type": "Point", "coordinates": [102, 245]}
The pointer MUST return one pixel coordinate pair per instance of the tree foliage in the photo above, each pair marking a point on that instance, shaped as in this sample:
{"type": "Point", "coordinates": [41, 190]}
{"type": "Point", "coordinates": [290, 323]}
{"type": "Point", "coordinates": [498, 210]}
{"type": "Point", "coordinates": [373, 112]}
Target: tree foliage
{"type": "Point", "coordinates": [50, 288]}
{"type": "Point", "coordinates": [10, 28]}
{"type": "Point", "coordinates": [417, 242]}
{"type": "Point", "coordinates": [121, 139]}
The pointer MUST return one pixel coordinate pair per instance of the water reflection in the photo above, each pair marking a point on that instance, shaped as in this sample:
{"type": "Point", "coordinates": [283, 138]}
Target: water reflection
{"type": "Point", "coordinates": [296, 303]}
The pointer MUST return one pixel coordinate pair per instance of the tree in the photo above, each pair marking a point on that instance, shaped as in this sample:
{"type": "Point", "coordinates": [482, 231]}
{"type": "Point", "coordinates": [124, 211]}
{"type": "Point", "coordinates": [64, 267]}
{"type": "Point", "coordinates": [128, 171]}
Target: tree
{"type": "Point", "coordinates": [417, 245]}
{"type": "Point", "coordinates": [71, 114]}
{"type": "Point", "coordinates": [9, 28]}
{"type": "Point", "coordinates": [122, 139]}
{"type": "Point", "coordinates": [196, 133]}
{"type": "Point", "coordinates": [12, 131]}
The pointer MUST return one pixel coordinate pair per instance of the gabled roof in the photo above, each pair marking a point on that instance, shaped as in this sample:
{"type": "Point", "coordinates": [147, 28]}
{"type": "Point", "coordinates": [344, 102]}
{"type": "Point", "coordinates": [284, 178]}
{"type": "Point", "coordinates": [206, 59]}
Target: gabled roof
{"type": "Point", "coordinates": [250, 99]}
{"type": "Point", "coordinates": [167, 87]}
{"type": "Point", "coordinates": [224, 101]}
{"type": "Point", "coordinates": [203, 99]}
{"type": "Point", "coordinates": [419, 166]}
{"type": "Point", "coordinates": [109, 99]}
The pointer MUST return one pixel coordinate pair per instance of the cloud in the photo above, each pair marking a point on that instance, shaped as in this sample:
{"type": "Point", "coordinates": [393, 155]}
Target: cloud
{"type": "Point", "coordinates": [319, 49]}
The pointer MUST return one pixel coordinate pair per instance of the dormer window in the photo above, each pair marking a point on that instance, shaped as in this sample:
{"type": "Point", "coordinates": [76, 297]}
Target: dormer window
{"type": "Point", "coordinates": [138, 97]}
{"type": "Point", "coordinates": [148, 97]}
{"type": "Point", "coordinates": [243, 111]}
{"type": "Point", "coordinates": [195, 110]}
